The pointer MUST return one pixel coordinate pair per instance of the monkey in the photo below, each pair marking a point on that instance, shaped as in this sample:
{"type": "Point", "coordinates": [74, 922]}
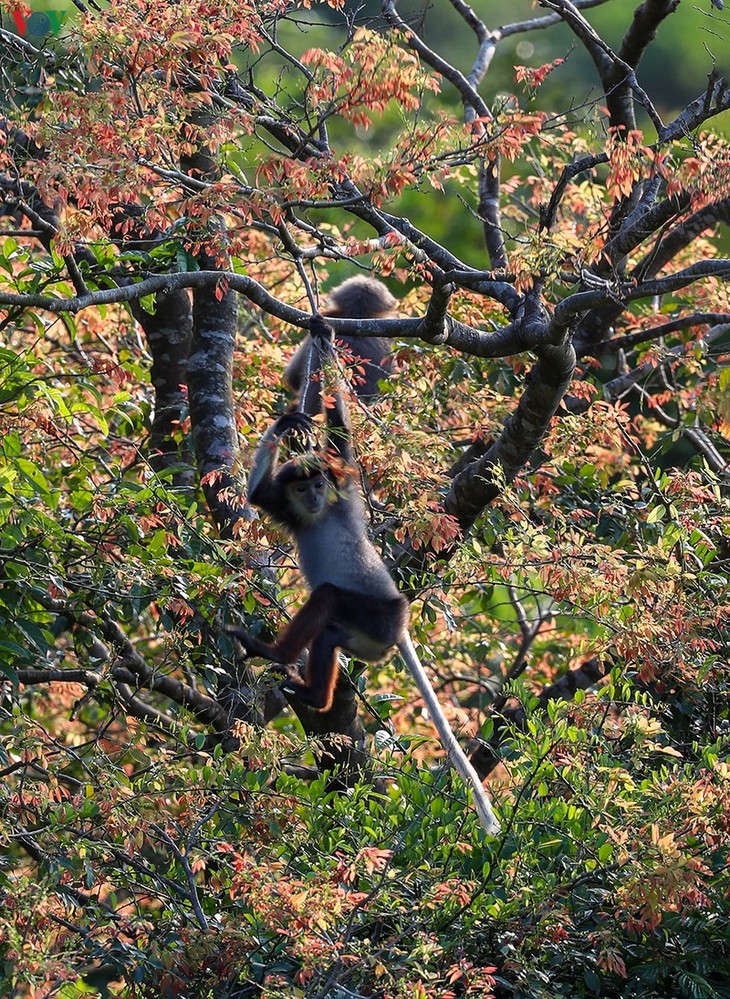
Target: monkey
{"type": "Point", "coordinates": [354, 603]}
{"type": "Point", "coordinates": [359, 297]}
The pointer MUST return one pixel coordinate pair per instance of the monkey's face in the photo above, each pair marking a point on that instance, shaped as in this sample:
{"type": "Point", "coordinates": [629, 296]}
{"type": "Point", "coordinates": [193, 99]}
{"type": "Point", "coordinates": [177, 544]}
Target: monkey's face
{"type": "Point", "coordinates": [309, 497]}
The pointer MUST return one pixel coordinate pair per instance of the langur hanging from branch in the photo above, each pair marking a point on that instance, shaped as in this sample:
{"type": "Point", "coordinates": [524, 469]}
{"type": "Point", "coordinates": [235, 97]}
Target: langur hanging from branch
{"type": "Point", "coordinates": [354, 604]}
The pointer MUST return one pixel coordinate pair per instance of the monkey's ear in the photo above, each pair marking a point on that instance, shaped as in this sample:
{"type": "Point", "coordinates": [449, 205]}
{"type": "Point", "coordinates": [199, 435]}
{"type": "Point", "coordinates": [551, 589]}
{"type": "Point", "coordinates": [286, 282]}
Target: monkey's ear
{"type": "Point", "coordinates": [318, 327]}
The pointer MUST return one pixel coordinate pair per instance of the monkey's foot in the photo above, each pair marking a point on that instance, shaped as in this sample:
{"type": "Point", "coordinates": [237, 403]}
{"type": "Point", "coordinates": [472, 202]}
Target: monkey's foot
{"type": "Point", "coordinates": [241, 638]}
{"type": "Point", "coordinates": [314, 699]}
{"type": "Point", "coordinates": [252, 646]}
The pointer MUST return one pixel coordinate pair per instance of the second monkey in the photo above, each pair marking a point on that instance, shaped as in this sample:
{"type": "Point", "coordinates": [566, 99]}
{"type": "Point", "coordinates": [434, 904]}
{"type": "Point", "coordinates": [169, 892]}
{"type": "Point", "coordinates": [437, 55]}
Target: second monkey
{"type": "Point", "coordinates": [359, 297]}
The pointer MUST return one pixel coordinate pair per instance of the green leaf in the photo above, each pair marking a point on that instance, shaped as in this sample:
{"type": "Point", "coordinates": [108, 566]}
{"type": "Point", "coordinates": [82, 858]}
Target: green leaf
{"type": "Point", "coordinates": [593, 982]}
{"type": "Point", "coordinates": [655, 514]}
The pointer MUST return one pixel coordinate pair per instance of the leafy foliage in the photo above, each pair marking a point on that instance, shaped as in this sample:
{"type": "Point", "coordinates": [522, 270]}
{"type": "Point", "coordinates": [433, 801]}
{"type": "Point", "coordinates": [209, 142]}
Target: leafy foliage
{"type": "Point", "coordinates": [166, 829]}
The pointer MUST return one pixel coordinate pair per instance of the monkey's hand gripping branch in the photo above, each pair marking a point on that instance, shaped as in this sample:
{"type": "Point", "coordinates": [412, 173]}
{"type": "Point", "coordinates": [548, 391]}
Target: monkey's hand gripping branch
{"type": "Point", "coordinates": [455, 753]}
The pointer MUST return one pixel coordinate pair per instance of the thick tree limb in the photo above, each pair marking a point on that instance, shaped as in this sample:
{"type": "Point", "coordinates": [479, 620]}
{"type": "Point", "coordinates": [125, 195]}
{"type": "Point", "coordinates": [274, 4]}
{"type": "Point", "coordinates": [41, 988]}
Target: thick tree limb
{"type": "Point", "coordinates": [168, 331]}
{"type": "Point", "coordinates": [595, 327]}
{"type": "Point", "coordinates": [212, 415]}
{"type": "Point", "coordinates": [714, 101]}
{"type": "Point", "coordinates": [169, 336]}
{"type": "Point", "coordinates": [549, 214]}
{"type": "Point", "coordinates": [210, 366]}
{"type": "Point", "coordinates": [482, 481]}
{"type": "Point", "coordinates": [343, 749]}
{"type": "Point", "coordinates": [634, 231]}
{"type": "Point", "coordinates": [469, 94]}
{"type": "Point", "coordinates": [500, 343]}
{"type": "Point", "coordinates": [641, 32]}
{"type": "Point", "coordinates": [613, 71]}
{"type": "Point", "coordinates": [142, 675]}
{"type": "Point", "coordinates": [720, 267]}
{"type": "Point", "coordinates": [488, 207]}
{"type": "Point", "coordinates": [88, 677]}
{"type": "Point", "coordinates": [138, 708]}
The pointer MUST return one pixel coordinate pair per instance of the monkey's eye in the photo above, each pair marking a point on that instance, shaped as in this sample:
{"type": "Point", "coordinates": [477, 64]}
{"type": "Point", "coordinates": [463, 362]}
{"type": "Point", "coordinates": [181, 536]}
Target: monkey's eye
{"type": "Point", "coordinates": [301, 488]}
{"type": "Point", "coordinates": [319, 484]}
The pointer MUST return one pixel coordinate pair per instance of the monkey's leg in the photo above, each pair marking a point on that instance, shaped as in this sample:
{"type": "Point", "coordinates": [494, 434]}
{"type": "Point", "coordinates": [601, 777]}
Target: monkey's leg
{"type": "Point", "coordinates": [252, 646]}
{"type": "Point", "coordinates": [310, 621]}
{"type": "Point", "coordinates": [318, 686]}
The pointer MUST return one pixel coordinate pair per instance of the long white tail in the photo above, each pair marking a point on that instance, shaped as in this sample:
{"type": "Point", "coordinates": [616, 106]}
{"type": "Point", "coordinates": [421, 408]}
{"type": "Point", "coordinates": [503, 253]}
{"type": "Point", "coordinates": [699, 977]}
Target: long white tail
{"type": "Point", "coordinates": [455, 753]}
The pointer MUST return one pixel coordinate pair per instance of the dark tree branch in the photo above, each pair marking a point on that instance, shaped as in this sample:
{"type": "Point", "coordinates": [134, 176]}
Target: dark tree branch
{"type": "Point", "coordinates": [719, 267]}
{"type": "Point", "coordinates": [509, 340]}
{"type": "Point", "coordinates": [487, 41]}
{"type": "Point", "coordinates": [210, 366]}
{"type": "Point", "coordinates": [212, 414]}
{"type": "Point", "coordinates": [192, 893]}
{"type": "Point", "coordinates": [615, 74]}
{"type": "Point", "coordinates": [25, 198]}
{"type": "Point", "coordinates": [476, 449]}
{"type": "Point", "coordinates": [137, 708]}
{"type": "Point", "coordinates": [157, 283]}
{"type": "Point", "coordinates": [488, 210]}
{"type": "Point", "coordinates": [641, 32]}
{"type": "Point", "coordinates": [128, 668]}
{"type": "Point", "coordinates": [630, 340]}
{"type": "Point", "coordinates": [681, 236]}
{"type": "Point", "coordinates": [476, 112]}
{"type": "Point", "coordinates": [618, 386]}
{"type": "Point", "coordinates": [137, 672]}
{"type": "Point", "coordinates": [435, 326]}
{"type": "Point", "coordinates": [635, 230]}
{"type": "Point", "coordinates": [595, 328]}
{"type": "Point", "coordinates": [168, 331]}
{"type": "Point", "coordinates": [701, 442]}
{"type": "Point", "coordinates": [714, 101]}
{"type": "Point", "coordinates": [469, 95]}
{"type": "Point", "coordinates": [342, 749]}
{"type": "Point", "coordinates": [25, 48]}
{"type": "Point", "coordinates": [549, 214]}
{"type": "Point", "coordinates": [540, 23]}
{"type": "Point", "coordinates": [169, 335]}
{"type": "Point", "coordinates": [89, 678]}
{"type": "Point", "coordinates": [488, 207]}
{"type": "Point", "coordinates": [481, 482]}
{"type": "Point", "coordinates": [500, 291]}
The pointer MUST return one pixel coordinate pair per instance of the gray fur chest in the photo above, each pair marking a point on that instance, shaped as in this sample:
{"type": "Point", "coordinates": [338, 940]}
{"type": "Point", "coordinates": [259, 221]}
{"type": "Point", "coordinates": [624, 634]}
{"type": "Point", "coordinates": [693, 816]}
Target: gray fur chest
{"type": "Point", "coordinates": [337, 551]}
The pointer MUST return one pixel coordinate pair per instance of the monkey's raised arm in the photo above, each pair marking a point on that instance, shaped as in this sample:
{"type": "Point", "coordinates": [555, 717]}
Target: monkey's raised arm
{"type": "Point", "coordinates": [338, 423]}
{"type": "Point", "coordinates": [264, 460]}
{"type": "Point", "coordinates": [262, 491]}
